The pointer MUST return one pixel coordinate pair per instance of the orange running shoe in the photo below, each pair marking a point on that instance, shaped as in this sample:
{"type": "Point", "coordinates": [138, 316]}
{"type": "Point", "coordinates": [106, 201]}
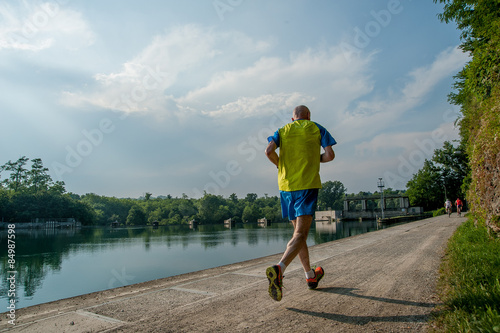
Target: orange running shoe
{"type": "Point", "coordinates": [275, 278]}
{"type": "Point", "coordinates": [318, 275]}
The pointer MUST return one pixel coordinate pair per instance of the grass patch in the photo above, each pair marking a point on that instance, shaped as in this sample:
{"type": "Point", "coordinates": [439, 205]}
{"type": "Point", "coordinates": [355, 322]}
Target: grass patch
{"type": "Point", "coordinates": [470, 282]}
{"type": "Point", "coordinates": [440, 211]}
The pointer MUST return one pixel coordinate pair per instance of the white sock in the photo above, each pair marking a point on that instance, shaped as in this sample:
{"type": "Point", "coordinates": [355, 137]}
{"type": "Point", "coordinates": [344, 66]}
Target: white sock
{"type": "Point", "coordinates": [283, 267]}
{"type": "Point", "coordinates": [310, 274]}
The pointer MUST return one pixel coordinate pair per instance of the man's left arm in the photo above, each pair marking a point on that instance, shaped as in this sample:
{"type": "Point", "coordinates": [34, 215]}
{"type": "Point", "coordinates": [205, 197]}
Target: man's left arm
{"type": "Point", "coordinates": [327, 141]}
{"type": "Point", "coordinates": [328, 155]}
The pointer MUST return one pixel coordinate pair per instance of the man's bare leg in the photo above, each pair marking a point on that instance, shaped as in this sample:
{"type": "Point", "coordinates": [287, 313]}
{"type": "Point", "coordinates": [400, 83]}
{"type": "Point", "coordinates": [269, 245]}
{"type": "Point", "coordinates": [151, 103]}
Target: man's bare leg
{"type": "Point", "coordinates": [298, 245]}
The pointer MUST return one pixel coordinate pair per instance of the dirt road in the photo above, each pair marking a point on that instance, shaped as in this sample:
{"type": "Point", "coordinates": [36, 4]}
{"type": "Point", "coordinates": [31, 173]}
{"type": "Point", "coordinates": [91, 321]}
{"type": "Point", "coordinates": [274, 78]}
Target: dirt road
{"type": "Point", "coordinates": [382, 281]}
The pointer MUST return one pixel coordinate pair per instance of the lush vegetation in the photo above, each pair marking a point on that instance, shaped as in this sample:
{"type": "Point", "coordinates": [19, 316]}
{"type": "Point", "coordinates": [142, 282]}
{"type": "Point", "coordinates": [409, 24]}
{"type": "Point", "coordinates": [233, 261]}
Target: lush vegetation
{"type": "Point", "coordinates": [443, 177]}
{"type": "Point", "coordinates": [478, 95]}
{"type": "Point", "coordinates": [210, 209]}
{"type": "Point", "coordinates": [470, 282]}
{"type": "Point", "coordinates": [470, 278]}
{"type": "Point", "coordinates": [30, 194]}
{"type": "Point", "coordinates": [331, 196]}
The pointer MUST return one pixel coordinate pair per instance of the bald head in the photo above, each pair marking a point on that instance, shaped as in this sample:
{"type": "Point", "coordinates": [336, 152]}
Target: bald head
{"type": "Point", "coordinates": [301, 112]}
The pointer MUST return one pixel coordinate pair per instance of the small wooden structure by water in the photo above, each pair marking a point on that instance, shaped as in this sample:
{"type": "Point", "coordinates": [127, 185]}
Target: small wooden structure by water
{"type": "Point", "coordinates": [58, 222]}
{"type": "Point", "coordinates": [229, 223]}
{"type": "Point", "coordinates": [328, 215]}
{"type": "Point", "coordinates": [47, 223]}
{"type": "Point", "coordinates": [264, 222]}
{"type": "Point", "coordinates": [193, 224]}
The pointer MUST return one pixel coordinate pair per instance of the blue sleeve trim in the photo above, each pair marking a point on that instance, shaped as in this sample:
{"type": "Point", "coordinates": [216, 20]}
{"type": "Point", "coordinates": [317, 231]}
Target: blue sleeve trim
{"type": "Point", "coordinates": [326, 137]}
{"type": "Point", "coordinates": [275, 137]}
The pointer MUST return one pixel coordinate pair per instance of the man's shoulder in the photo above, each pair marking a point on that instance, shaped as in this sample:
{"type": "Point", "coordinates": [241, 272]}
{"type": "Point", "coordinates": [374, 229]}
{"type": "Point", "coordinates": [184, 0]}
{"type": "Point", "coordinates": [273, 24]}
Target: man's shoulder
{"type": "Point", "coordinates": [300, 124]}
{"type": "Point", "coordinates": [321, 127]}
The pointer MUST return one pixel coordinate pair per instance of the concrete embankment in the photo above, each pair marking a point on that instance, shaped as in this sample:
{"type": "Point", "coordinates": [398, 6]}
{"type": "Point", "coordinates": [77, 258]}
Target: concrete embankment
{"type": "Point", "coordinates": [383, 281]}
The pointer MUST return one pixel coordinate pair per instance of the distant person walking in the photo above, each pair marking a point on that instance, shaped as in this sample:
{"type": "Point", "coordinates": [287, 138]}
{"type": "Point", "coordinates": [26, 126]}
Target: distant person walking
{"type": "Point", "coordinates": [298, 164]}
{"type": "Point", "coordinates": [447, 205]}
{"type": "Point", "coordinates": [459, 205]}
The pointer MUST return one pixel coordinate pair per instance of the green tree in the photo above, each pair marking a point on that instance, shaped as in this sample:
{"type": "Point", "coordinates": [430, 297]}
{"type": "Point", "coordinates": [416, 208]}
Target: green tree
{"type": "Point", "coordinates": [208, 209]}
{"type": "Point", "coordinates": [331, 195]}
{"type": "Point", "coordinates": [57, 188]}
{"type": "Point", "coordinates": [440, 178]}
{"type": "Point", "coordinates": [251, 197]}
{"type": "Point", "coordinates": [136, 216]}
{"type": "Point", "coordinates": [156, 215]}
{"type": "Point", "coordinates": [4, 204]}
{"type": "Point", "coordinates": [453, 164]}
{"type": "Point", "coordinates": [18, 174]}
{"type": "Point", "coordinates": [233, 197]}
{"type": "Point", "coordinates": [271, 213]}
{"type": "Point", "coordinates": [426, 187]}
{"type": "Point", "coordinates": [479, 21]}
{"type": "Point", "coordinates": [38, 177]}
{"type": "Point", "coordinates": [80, 211]}
{"type": "Point", "coordinates": [187, 208]}
{"type": "Point", "coordinates": [251, 214]}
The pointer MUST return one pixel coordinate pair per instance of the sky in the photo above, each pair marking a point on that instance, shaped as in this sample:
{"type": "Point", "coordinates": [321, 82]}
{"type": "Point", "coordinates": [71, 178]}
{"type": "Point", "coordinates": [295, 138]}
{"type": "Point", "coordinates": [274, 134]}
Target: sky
{"type": "Point", "coordinates": [120, 98]}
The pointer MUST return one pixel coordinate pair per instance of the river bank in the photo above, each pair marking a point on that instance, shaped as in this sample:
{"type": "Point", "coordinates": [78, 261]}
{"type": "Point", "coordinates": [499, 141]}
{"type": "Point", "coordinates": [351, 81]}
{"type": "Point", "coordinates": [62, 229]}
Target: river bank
{"type": "Point", "coordinates": [53, 263]}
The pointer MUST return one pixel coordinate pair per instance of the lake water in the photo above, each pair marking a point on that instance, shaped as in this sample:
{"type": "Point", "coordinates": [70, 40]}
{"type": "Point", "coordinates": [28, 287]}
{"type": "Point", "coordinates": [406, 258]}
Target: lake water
{"type": "Point", "coordinates": [53, 264]}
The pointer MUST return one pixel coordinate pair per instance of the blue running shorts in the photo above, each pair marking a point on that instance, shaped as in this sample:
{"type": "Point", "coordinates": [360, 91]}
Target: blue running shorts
{"type": "Point", "coordinates": [298, 203]}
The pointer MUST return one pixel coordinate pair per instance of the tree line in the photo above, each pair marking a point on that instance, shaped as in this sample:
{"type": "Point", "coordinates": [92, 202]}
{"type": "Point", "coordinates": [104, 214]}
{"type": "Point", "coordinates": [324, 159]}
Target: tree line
{"type": "Point", "coordinates": [28, 193]}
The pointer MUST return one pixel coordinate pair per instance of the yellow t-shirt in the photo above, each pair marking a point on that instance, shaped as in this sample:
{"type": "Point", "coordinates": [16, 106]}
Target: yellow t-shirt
{"type": "Point", "coordinates": [299, 156]}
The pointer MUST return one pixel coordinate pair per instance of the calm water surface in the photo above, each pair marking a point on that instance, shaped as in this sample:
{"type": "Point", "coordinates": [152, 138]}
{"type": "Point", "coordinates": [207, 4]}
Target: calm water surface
{"type": "Point", "coordinates": [53, 264]}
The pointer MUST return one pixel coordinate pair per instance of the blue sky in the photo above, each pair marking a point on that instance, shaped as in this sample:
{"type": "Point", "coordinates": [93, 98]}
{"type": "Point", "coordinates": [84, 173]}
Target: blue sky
{"type": "Point", "coordinates": [120, 98]}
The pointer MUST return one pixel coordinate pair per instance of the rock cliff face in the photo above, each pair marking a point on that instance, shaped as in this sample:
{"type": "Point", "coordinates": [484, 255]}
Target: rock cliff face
{"type": "Point", "coordinates": [484, 147]}
{"type": "Point", "coordinates": [478, 93]}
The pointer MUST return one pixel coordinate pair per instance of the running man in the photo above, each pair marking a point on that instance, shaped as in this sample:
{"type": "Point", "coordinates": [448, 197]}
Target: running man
{"type": "Point", "coordinates": [298, 164]}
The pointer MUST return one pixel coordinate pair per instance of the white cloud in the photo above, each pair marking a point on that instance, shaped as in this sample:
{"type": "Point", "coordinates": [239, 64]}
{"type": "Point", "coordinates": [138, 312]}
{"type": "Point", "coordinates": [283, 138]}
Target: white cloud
{"type": "Point", "coordinates": [146, 81]}
{"type": "Point", "coordinates": [274, 82]}
{"type": "Point", "coordinates": [372, 116]}
{"type": "Point", "coordinates": [263, 105]}
{"type": "Point", "coordinates": [424, 79]}
{"type": "Point", "coordinates": [406, 142]}
{"type": "Point", "coordinates": [36, 27]}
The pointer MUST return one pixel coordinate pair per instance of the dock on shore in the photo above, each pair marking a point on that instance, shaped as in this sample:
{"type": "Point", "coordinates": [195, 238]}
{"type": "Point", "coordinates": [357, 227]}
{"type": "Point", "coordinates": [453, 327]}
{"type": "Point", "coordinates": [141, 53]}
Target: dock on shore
{"type": "Point", "coordinates": [382, 281]}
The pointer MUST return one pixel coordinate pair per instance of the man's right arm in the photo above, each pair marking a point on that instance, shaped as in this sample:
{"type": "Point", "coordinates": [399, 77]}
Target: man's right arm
{"type": "Point", "coordinates": [271, 153]}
